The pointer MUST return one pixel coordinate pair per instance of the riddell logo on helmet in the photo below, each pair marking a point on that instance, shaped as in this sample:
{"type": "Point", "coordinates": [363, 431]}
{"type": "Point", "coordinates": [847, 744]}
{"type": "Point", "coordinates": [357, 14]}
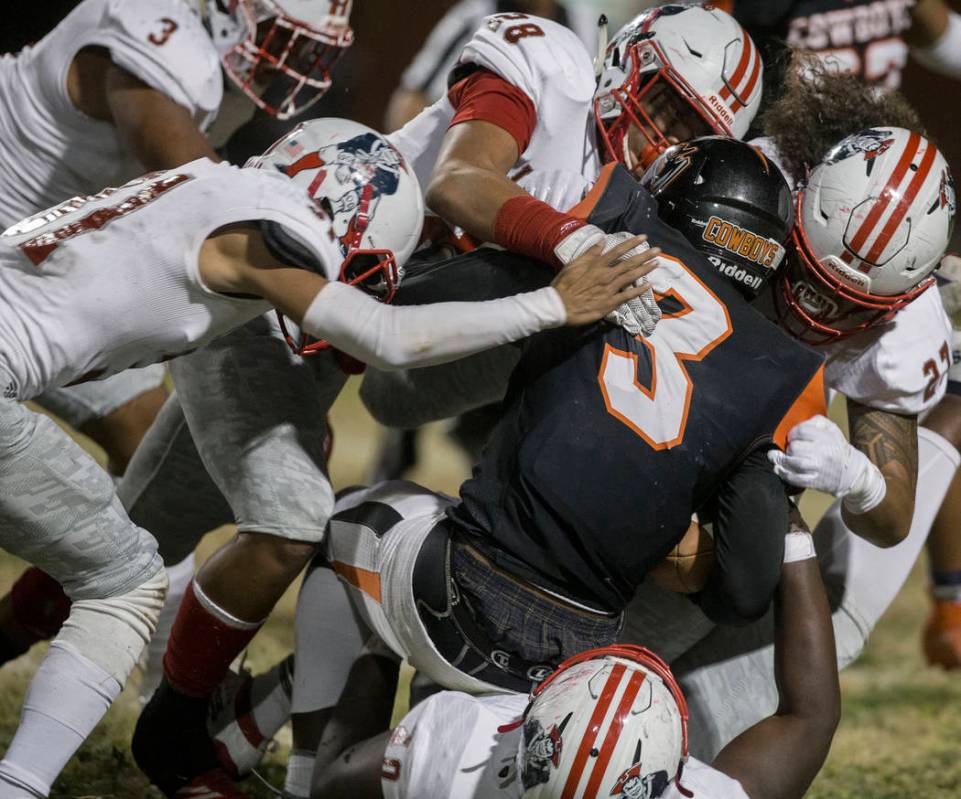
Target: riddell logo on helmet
{"type": "Point", "coordinates": [739, 241]}
{"type": "Point", "coordinates": [722, 110]}
{"type": "Point", "coordinates": [735, 272]}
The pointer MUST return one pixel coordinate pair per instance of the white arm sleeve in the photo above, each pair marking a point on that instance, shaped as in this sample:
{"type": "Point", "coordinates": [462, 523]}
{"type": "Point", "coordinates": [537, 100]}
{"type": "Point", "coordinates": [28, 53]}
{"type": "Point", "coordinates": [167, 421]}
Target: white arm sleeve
{"type": "Point", "coordinates": [389, 337]}
{"type": "Point", "coordinates": [944, 55]}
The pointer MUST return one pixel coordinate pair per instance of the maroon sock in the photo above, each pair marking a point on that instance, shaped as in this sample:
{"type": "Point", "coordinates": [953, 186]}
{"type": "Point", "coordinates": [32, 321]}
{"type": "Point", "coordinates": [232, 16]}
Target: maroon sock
{"type": "Point", "coordinates": [202, 645]}
{"type": "Point", "coordinates": [38, 604]}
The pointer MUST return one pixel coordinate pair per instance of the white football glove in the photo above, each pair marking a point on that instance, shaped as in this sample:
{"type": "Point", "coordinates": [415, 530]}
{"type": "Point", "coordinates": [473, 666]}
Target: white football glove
{"type": "Point", "coordinates": [818, 456]}
{"type": "Point", "coordinates": [639, 316]}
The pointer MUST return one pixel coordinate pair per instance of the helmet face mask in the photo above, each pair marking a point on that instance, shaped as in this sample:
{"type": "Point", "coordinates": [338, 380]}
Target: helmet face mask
{"type": "Point", "coordinates": [817, 308]}
{"type": "Point", "coordinates": [654, 109]}
{"type": "Point", "coordinates": [674, 73]}
{"type": "Point", "coordinates": [283, 64]}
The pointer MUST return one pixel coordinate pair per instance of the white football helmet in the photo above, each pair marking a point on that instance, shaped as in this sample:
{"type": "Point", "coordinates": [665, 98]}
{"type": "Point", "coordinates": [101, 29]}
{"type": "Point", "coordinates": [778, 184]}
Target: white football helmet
{"type": "Point", "coordinates": [608, 722]}
{"type": "Point", "coordinates": [674, 73]}
{"type": "Point", "coordinates": [873, 221]}
{"type": "Point", "coordinates": [279, 52]}
{"type": "Point", "coordinates": [363, 185]}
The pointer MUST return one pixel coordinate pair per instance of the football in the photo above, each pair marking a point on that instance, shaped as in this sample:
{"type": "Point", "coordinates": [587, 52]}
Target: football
{"type": "Point", "coordinates": [686, 569]}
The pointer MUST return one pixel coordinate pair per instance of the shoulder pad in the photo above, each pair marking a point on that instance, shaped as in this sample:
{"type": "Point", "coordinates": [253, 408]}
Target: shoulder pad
{"type": "Point", "coordinates": [901, 367]}
{"type": "Point", "coordinates": [534, 54]}
{"type": "Point", "coordinates": [164, 44]}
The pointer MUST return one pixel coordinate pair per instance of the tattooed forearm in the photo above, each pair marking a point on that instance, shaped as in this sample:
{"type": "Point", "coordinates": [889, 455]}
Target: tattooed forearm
{"type": "Point", "coordinates": [888, 439]}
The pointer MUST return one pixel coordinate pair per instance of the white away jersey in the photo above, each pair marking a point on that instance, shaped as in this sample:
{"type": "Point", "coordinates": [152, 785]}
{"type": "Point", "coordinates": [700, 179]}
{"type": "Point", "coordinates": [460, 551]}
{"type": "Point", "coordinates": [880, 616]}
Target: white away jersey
{"type": "Point", "coordinates": [901, 367]}
{"type": "Point", "coordinates": [550, 65]}
{"type": "Point", "coordinates": [449, 747]}
{"type": "Point", "coordinates": [104, 283]}
{"type": "Point", "coordinates": [48, 149]}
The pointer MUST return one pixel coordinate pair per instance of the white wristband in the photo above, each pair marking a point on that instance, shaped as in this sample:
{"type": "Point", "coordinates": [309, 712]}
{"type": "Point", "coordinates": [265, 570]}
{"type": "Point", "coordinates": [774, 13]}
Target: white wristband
{"type": "Point", "coordinates": [869, 488]}
{"type": "Point", "coordinates": [944, 55]}
{"type": "Point", "coordinates": [391, 337]}
{"type": "Point", "coordinates": [798, 545]}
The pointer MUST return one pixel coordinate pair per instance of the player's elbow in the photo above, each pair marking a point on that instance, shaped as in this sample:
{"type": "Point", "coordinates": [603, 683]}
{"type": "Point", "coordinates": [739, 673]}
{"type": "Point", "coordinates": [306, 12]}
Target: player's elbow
{"type": "Point", "coordinates": [445, 190]}
{"type": "Point", "coordinates": [746, 606]}
{"type": "Point", "coordinates": [889, 528]}
{"type": "Point", "coordinates": [737, 602]}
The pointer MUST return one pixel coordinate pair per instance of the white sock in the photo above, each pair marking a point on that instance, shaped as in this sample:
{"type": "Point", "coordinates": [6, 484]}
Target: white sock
{"type": "Point", "coordinates": [180, 575]}
{"type": "Point", "coordinates": [300, 771]}
{"type": "Point", "coordinates": [66, 699]}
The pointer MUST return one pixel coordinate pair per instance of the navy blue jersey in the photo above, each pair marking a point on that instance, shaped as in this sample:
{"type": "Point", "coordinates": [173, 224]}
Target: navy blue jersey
{"type": "Point", "coordinates": [609, 442]}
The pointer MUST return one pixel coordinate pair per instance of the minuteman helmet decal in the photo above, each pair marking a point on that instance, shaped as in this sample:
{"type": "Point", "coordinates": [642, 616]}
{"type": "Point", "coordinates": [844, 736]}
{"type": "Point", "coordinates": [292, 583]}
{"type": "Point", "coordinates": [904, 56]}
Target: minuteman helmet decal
{"type": "Point", "coordinates": [542, 750]}
{"type": "Point", "coordinates": [871, 143]}
{"type": "Point", "coordinates": [633, 784]}
{"type": "Point", "coordinates": [361, 186]}
{"type": "Point", "coordinates": [365, 168]}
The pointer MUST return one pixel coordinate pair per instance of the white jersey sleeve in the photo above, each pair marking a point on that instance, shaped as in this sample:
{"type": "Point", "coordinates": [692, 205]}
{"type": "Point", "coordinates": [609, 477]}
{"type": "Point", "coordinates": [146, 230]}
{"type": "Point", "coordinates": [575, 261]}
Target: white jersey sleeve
{"type": "Point", "coordinates": [449, 747]}
{"type": "Point", "coordinates": [164, 44]}
{"type": "Point", "coordinates": [540, 57]}
{"type": "Point", "coordinates": [901, 367]}
{"type": "Point", "coordinates": [705, 782]}
{"type": "Point", "coordinates": [104, 283]}
{"type": "Point", "coordinates": [550, 65]}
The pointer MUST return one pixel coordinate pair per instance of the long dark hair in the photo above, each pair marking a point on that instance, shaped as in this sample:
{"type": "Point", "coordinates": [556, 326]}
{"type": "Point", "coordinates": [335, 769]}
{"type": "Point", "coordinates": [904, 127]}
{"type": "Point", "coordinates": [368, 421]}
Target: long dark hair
{"type": "Point", "coordinates": [818, 107]}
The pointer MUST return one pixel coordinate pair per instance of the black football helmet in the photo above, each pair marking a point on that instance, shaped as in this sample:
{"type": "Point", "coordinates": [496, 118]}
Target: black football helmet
{"type": "Point", "coordinates": [730, 202]}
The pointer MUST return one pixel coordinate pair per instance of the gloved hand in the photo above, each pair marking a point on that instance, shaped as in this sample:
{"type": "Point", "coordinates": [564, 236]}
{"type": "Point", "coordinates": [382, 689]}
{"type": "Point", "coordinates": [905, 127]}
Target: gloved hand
{"type": "Point", "coordinates": [818, 456]}
{"type": "Point", "coordinates": [639, 316]}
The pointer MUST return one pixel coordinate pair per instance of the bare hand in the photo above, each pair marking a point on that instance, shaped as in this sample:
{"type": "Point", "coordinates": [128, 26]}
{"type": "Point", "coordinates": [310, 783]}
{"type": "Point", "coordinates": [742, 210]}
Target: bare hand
{"type": "Point", "coordinates": [594, 284]}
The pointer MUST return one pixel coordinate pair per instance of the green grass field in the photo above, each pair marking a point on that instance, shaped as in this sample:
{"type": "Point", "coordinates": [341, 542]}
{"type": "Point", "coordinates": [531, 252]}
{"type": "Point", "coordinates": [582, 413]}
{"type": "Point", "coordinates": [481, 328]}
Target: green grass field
{"type": "Point", "coordinates": [898, 736]}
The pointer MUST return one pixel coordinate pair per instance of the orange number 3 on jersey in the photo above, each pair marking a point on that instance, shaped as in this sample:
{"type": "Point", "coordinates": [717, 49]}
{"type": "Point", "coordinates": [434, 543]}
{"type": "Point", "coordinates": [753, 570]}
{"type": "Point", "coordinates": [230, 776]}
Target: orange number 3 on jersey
{"type": "Point", "coordinates": [658, 413]}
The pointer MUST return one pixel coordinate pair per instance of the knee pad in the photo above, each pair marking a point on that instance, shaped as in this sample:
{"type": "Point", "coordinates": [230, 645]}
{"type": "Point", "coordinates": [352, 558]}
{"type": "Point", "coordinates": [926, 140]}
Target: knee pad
{"type": "Point", "coordinates": [112, 632]}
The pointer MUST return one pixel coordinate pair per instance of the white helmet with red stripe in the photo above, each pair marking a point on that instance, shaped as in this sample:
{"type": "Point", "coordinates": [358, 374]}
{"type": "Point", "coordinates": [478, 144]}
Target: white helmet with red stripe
{"type": "Point", "coordinates": [674, 73]}
{"type": "Point", "coordinates": [279, 52]}
{"type": "Point", "coordinates": [608, 722]}
{"type": "Point", "coordinates": [873, 222]}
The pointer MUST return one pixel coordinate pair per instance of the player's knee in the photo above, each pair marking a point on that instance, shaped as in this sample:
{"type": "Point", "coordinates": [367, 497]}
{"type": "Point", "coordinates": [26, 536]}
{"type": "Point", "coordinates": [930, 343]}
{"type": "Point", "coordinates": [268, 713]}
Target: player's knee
{"type": "Point", "coordinates": [276, 556]}
{"type": "Point", "coordinates": [17, 427]}
{"type": "Point", "coordinates": [113, 631]}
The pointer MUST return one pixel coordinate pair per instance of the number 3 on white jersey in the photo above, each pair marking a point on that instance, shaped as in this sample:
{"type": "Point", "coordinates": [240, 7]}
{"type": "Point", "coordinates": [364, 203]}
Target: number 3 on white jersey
{"type": "Point", "coordinates": [659, 414]}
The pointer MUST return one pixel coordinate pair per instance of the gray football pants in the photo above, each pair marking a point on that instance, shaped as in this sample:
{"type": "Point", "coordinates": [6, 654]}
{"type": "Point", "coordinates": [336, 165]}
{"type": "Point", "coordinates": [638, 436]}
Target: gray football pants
{"type": "Point", "coordinates": [60, 511]}
{"type": "Point", "coordinates": [241, 440]}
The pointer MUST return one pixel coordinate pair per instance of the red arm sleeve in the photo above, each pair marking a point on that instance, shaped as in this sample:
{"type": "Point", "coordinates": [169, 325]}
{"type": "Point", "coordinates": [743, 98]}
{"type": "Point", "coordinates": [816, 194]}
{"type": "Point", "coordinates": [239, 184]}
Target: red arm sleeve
{"type": "Point", "coordinates": [484, 96]}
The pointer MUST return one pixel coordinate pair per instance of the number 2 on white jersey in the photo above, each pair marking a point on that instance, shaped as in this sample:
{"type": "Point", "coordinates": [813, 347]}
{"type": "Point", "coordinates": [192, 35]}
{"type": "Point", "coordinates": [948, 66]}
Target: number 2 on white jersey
{"type": "Point", "coordinates": [658, 414]}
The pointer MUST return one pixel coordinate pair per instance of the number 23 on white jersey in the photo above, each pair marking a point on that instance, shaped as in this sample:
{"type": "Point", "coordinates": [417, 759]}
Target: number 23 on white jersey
{"type": "Point", "coordinates": [658, 414]}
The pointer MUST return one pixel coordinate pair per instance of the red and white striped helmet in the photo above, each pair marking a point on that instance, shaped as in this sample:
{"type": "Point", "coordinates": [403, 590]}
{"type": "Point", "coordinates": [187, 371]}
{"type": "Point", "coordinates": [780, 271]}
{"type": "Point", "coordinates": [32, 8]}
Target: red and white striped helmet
{"type": "Point", "coordinates": [873, 221]}
{"type": "Point", "coordinates": [279, 52]}
{"type": "Point", "coordinates": [609, 722]}
{"type": "Point", "coordinates": [676, 72]}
